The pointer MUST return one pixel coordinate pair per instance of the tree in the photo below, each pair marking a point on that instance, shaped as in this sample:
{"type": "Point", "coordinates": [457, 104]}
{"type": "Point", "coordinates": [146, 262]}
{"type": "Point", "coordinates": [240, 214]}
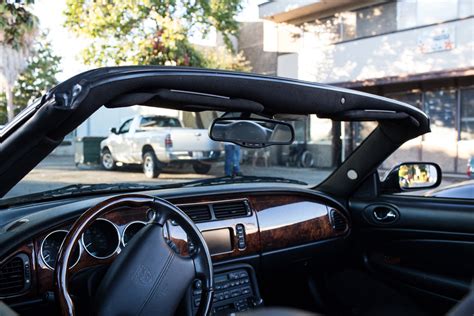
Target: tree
{"type": "Point", "coordinates": [36, 79]}
{"type": "Point", "coordinates": [18, 28]}
{"type": "Point", "coordinates": [150, 31]}
{"type": "Point", "coordinates": [40, 74]}
{"type": "Point", "coordinates": [223, 58]}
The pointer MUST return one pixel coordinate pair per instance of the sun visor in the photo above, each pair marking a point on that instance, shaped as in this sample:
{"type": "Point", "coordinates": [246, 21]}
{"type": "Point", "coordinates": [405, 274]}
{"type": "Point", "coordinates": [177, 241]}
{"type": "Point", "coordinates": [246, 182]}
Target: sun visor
{"type": "Point", "coordinates": [185, 100]}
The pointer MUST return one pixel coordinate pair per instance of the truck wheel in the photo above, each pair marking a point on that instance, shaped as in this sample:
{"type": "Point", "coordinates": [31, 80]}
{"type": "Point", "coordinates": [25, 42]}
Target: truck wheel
{"type": "Point", "coordinates": [151, 165]}
{"type": "Point", "coordinates": [307, 160]}
{"type": "Point", "coordinates": [106, 160]}
{"type": "Point", "coordinates": [201, 168]}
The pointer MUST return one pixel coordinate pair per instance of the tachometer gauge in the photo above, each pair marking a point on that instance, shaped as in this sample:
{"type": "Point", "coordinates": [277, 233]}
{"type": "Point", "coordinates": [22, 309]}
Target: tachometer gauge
{"type": "Point", "coordinates": [131, 230]}
{"type": "Point", "coordinates": [50, 249]}
{"type": "Point", "coordinates": [101, 239]}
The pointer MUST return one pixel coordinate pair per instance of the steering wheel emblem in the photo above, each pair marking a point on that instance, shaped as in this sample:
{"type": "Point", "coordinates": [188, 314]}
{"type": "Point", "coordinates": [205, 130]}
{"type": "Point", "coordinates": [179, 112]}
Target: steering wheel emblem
{"type": "Point", "coordinates": [142, 275]}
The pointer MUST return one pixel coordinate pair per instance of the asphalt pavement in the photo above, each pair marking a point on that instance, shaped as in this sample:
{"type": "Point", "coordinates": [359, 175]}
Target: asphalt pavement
{"type": "Point", "coordinates": [58, 171]}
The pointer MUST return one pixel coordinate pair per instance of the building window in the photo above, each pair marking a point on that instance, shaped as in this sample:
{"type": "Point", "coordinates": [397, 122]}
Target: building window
{"type": "Point", "coordinates": [377, 20]}
{"type": "Point", "coordinates": [440, 105]}
{"type": "Point", "coordinates": [412, 98]}
{"type": "Point", "coordinates": [393, 16]}
{"type": "Point", "coordinates": [467, 114]}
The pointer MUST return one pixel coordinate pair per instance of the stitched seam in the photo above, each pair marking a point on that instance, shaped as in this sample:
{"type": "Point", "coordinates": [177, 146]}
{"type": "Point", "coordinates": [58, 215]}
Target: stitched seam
{"type": "Point", "coordinates": [157, 282]}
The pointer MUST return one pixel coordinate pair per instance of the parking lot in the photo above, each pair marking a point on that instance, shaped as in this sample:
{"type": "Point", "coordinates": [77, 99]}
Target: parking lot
{"type": "Point", "coordinates": [58, 171]}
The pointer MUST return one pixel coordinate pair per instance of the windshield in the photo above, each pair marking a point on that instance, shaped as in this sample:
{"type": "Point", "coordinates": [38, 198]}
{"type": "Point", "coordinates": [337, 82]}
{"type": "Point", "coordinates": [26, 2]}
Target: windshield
{"type": "Point", "coordinates": [153, 146]}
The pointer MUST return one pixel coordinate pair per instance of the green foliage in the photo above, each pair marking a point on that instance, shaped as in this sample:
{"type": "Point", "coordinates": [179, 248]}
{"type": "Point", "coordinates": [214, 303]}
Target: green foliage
{"type": "Point", "coordinates": [40, 75]}
{"type": "Point", "coordinates": [16, 24]}
{"type": "Point", "coordinates": [222, 58]}
{"type": "Point", "coordinates": [152, 32]}
{"type": "Point", "coordinates": [36, 79]}
{"type": "Point", "coordinates": [3, 109]}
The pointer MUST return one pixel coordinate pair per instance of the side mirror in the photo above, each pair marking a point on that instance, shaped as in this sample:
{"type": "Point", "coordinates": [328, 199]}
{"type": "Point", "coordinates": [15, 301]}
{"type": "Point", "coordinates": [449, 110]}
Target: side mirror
{"type": "Point", "coordinates": [251, 133]}
{"type": "Point", "coordinates": [412, 176]}
{"type": "Point", "coordinates": [113, 130]}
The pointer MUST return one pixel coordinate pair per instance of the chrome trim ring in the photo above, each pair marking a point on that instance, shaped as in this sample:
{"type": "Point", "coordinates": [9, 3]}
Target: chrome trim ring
{"type": "Point", "coordinates": [42, 243]}
{"type": "Point", "coordinates": [117, 248]}
{"type": "Point", "coordinates": [126, 227]}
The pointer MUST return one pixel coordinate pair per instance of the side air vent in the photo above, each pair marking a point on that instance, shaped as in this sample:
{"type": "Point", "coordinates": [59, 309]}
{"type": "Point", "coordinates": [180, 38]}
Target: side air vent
{"type": "Point", "coordinates": [339, 222]}
{"type": "Point", "coordinates": [198, 213]}
{"type": "Point", "coordinates": [231, 209]}
{"type": "Point", "coordinates": [15, 276]}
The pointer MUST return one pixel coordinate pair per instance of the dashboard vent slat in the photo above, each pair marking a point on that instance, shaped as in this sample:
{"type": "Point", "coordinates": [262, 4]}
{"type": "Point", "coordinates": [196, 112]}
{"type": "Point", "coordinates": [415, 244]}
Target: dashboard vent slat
{"type": "Point", "coordinates": [339, 222]}
{"type": "Point", "coordinates": [12, 277]}
{"type": "Point", "coordinates": [231, 209]}
{"type": "Point", "coordinates": [198, 213]}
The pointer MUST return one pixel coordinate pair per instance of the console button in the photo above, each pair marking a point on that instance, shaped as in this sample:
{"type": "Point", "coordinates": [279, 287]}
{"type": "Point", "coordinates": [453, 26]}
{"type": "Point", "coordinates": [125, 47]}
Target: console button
{"type": "Point", "coordinates": [235, 293]}
{"type": "Point", "coordinates": [240, 229]}
{"type": "Point", "coordinates": [197, 284]}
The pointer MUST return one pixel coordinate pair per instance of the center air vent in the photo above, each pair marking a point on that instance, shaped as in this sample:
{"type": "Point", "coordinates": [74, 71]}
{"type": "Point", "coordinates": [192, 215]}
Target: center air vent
{"type": "Point", "coordinates": [231, 209]}
{"type": "Point", "coordinates": [198, 213]}
{"type": "Point", "coordinates": [339, 222]}
{"type": "Point", "coordinates": [15, 276]}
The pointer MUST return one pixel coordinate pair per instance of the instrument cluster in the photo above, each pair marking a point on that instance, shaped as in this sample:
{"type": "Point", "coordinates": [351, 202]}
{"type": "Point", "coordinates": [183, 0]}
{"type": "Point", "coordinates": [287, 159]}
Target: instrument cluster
{"type": "Point", "coordinates": [101, 240]}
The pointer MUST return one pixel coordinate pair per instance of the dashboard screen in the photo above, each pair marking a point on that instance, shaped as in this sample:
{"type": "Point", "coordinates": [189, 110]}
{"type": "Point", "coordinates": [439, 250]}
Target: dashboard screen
{"type": "Point", "coordinates": [218, 240]}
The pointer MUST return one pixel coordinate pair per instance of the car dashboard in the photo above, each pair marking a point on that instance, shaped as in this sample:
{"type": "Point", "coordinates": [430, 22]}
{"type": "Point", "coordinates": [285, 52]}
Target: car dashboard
{"type": "Point", "coordinates": [246, 231]}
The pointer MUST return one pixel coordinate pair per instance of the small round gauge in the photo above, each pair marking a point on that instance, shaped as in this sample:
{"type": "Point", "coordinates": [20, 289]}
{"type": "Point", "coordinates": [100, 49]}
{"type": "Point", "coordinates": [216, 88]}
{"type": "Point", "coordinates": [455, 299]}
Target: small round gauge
{"type": "Point", "coordinates": [131, 230]}
{"type": "Point", "coordinates": [50, 249]}
{"type": "Point", "coordinates": [101, 239]}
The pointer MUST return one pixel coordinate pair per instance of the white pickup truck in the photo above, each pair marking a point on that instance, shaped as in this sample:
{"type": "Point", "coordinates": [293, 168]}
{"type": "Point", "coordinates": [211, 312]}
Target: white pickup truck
{"type": "Point", "coordinates": [157, 141]}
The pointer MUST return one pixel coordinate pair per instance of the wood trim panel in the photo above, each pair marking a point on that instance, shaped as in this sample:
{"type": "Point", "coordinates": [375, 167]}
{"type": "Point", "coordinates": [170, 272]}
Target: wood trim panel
{"type": "Point", "coordinates": [277, 221]}
{"type": "Point", "coordinates": [289, 220]}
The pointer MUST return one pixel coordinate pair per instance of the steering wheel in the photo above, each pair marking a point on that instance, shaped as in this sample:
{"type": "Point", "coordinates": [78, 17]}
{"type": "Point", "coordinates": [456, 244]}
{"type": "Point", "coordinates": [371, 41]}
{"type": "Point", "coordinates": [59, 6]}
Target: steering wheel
{"type": "Point", "coordinates": [147, 277]}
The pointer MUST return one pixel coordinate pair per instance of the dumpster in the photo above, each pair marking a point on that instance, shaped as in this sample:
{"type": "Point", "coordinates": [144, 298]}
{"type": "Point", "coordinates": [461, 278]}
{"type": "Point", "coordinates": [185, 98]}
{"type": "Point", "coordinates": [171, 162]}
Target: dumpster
{"type": "Point", "coordinates": [87, 150]}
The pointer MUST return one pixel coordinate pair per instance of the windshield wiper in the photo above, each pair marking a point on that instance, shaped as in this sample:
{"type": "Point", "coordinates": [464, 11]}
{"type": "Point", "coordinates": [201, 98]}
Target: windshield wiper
{"type": "Point", "coordinates": [240, 179]}
{"type": "Point", "coordinates": [83, 189]}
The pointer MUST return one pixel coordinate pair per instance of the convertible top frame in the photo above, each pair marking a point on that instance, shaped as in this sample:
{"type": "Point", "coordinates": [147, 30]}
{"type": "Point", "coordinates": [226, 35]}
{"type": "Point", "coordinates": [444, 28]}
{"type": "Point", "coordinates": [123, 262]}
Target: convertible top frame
{"type": "Point", "coordinates": [46, 122]}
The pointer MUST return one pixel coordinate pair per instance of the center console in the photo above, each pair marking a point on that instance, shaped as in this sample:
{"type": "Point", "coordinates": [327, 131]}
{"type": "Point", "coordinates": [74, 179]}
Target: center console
{"type": "Point", "coordinates": [236, 290]}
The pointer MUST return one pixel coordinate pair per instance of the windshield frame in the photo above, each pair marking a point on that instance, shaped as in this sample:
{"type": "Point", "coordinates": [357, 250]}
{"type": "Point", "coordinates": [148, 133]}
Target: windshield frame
{"type": "Point", "coordinates": [76, 99]}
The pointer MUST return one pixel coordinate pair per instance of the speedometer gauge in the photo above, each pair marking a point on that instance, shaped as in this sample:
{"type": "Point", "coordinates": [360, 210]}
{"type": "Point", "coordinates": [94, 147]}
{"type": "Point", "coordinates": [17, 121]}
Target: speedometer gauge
{"type": "Point", "coordinates": [50, 249]}
{"type": "Point", "coordinates": [101, 239]}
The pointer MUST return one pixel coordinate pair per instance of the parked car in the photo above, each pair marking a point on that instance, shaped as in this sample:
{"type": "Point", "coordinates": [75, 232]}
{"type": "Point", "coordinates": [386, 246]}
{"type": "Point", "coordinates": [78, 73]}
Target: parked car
{"type": "Point", "coordinates": [461, 190]}
{"type": "Point", "coordinates": [155, 141]}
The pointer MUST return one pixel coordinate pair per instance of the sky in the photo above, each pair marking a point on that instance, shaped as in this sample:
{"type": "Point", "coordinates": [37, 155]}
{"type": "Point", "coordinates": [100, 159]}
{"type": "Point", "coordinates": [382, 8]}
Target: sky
{"type": "Point", "coordinates": [68, 46]}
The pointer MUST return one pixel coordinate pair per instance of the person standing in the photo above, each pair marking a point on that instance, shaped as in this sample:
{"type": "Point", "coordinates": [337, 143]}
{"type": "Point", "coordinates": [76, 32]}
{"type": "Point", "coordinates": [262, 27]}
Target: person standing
{"type": "Point", "coordinates": [232, 160]}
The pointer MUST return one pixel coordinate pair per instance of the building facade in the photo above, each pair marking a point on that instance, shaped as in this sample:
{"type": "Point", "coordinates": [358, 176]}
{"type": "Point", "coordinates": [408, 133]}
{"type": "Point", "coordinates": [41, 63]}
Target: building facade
{"type": "Point", "coordinates": [417, 51]}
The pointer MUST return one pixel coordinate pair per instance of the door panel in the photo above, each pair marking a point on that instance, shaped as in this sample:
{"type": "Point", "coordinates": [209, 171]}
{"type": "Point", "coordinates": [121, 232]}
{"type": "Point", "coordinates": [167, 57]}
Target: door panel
{"type": "Point", "coordinates": [428, 247]}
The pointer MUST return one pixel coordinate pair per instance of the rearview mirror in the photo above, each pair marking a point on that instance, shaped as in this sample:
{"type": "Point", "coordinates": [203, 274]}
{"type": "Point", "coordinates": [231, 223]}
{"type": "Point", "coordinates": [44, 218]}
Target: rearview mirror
{"type": "Point", "coordinates": [252, 133]}
{"type": "Point", "coordinates": [113, 130]}
{"type": "Point", "coordinates": [412, 176]}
